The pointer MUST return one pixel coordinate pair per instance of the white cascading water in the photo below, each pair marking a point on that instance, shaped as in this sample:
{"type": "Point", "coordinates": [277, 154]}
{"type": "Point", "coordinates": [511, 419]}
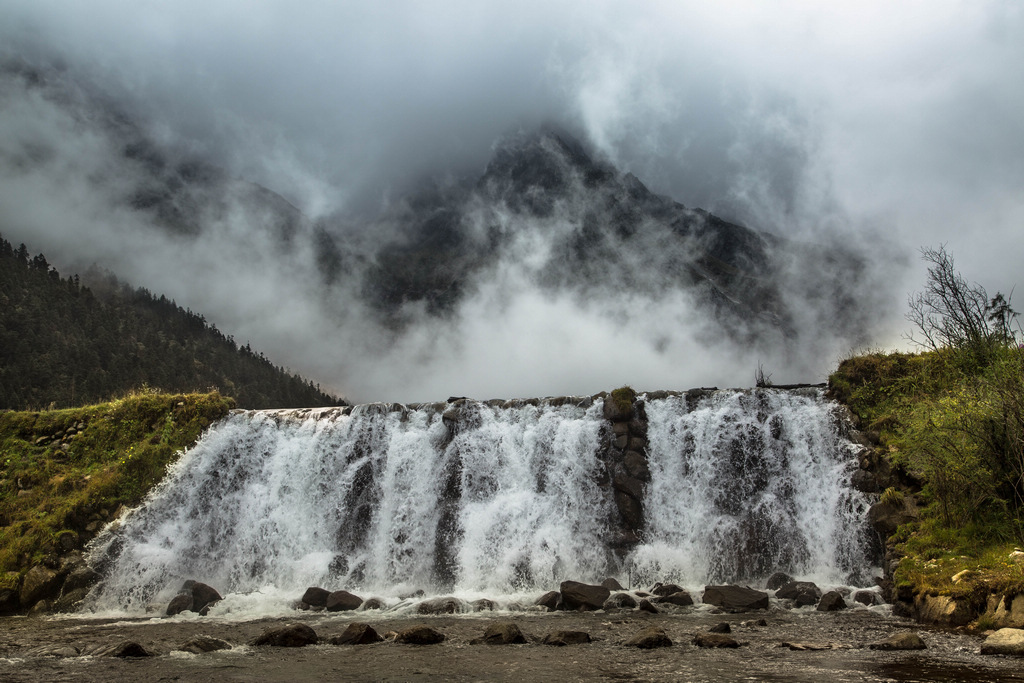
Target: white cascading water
{"type": "Point", "coordinates": [744, 484]}
{"type": "Point", "coordinates": [502, 500]}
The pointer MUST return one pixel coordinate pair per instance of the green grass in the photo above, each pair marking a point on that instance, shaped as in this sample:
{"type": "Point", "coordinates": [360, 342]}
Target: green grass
{"type": "Point", "coordinates": [63, 472]}
{"type": "Point", "coordinates": [942, 421]}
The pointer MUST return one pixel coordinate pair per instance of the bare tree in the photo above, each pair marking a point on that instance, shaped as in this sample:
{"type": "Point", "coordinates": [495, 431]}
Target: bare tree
{"type": "Point", "coordinates": [953, 313]}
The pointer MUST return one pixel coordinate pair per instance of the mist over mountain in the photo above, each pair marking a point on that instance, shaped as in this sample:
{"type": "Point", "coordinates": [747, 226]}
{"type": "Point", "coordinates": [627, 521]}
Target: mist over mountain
{"type": "Point", "coordinates": [546, 271]}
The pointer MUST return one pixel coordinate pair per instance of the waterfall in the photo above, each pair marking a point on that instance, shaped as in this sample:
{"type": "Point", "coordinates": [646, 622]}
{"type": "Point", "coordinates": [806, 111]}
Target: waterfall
{"type": "Point", "coordinates": [495, 498]}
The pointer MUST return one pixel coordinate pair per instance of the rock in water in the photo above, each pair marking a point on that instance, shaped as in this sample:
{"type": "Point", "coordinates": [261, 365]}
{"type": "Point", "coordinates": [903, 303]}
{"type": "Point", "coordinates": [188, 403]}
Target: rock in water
{"type": "Point", "coordinates": [620, 601]}
{"type": "Point", "coordinates": [419, 635]}
{"type": "Point", "coordinates": [582, 596]}
{"type": "Point", "coordinates": [503, 633]}
{"type": "Point", "coordinates": [900, 641]}
{"type": "Point", "coordinates": [714, 640]}
{"type": "Point", "coordinates": [667, 589]}
{"type": "Point", "coordinates": [562, 638]}
{"type": "Point", "coordinates": [735, 597]}
{"type": "Point", "coordinates": [682, 599]}
{"type": "Point", "coordinates": [722, 627]}
{"type": "Point", "coordinates": [315, 596]}
{"type": "Point", "coordinates": [831, 602]}
{"type": "Point", "coordinates": [612, 585]}
{"type": "Point", "coordinates": [199, 644]}
{"type": "Point", "coordinates": [649, 638]}
{"type": "Point", "coordinates": [126, 648]}
{"type": "Point", "coordinates": [292, 635]}
{"type": "Point", "coordinates": [1005, 641]}
{"type": "Point", "coordinates": [357, 633]}
{"type": "Point", "coordinates": [203, 596]}
{"type": "Point", "coordinates": [182, 602]}
{"type": "Point", "coordinates": [440, 606]}
{"type": "Point", "coordinates": [549, 600]}
{"type": "Point", "coordinates": [342, 601]}
{"type": "Point", "coordinates": [778, 580]}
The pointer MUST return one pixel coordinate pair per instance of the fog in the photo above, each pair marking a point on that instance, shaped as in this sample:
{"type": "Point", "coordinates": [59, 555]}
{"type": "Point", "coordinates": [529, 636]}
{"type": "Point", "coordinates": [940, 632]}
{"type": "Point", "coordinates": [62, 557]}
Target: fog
{"type": "Point", "coordinates": [880, 128]}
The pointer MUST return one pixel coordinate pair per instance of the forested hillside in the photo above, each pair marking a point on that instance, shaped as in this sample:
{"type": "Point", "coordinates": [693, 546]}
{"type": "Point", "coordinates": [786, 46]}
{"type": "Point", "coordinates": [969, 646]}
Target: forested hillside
{"type": "Point", "coordinates": [64, 344]}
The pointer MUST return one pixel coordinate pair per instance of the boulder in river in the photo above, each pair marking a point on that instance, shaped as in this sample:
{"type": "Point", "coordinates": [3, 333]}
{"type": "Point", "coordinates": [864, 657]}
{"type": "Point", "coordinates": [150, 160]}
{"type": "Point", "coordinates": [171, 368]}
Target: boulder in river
{"type": "Point", "coordinates": [736, 598]}
{"type": "Point", "coordinates": [831, 602]}
{"type": "Point", "coordinates": [777, 580]}
{"type": "Point", "coordinates": [562, 638]}
{"type": "Point", "coordinates": [714, 640]}
{"type": "Point", "coordinates": [315, 596]}
{"type": "Point", "coordinates": [681, 599]}
{"type": "Point", "coordinates": [357, 633]}
{"type": "Point", "coordinates": [420, 634]}
{"type": "Point", "coordinates": [1005, 641]}
{"type": "Point", "coordinates": [503, 633]}
{"type": "Point", "coordinates": [620, 601]}
{"type": "Point", "coordinates": [582, 596]}
{"type": "Point", "coordinates": [907, 640]}
{"type": "Point", "coordinates": [198, 645]}
{"type": "Point", "coordinates": [292, 635]}
{"type": "Point", "coordinates": [649, 638]}
{"type": "Point", "coordinates": [342, 601]}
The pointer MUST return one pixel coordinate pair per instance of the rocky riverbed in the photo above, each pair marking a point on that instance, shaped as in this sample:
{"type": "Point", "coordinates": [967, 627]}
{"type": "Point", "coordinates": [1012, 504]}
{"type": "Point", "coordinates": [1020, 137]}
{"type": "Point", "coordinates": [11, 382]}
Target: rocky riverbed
{"type": "Point", "coordinates": [790, 645]}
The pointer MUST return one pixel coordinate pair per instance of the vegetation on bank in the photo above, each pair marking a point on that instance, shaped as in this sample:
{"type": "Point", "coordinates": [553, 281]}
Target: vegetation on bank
{"type": "Point", "coordinates": [951, 419]}
{"type": "Point", "coordinates": [65, 472]}
{"type": "Point", "coordinates": [66, 342]}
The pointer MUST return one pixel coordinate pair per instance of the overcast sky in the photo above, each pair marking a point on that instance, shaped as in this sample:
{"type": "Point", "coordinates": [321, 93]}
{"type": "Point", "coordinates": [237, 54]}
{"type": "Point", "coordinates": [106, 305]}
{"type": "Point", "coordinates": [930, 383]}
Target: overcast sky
{"type": "Point", "coordinates": [900, 124]}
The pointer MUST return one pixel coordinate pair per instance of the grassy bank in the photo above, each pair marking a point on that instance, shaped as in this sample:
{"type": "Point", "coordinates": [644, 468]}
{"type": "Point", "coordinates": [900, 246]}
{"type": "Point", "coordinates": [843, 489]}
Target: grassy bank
{"type": "Point", "coordinates": [953, 427]}
{"type": "Point", "coordinates": [64, 472]}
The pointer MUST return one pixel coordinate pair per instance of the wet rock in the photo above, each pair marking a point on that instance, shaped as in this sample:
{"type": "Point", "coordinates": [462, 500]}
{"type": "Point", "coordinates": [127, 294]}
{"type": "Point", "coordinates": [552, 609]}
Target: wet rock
{"type": "Point", "coordinates": [82, 576]}
{"type": "Point", "coordinates": [126, 648]}
{"type": "Point", "coordinates": [778, 580]}
{"type": "Point", "coordinates": [661, 590]}
{"type": "Point", "coordinates": [722, 627]}
{"type": "Point", "coordinates": [612, 585]}
{"type": "Point", "coordinates": [714, 640]}
{"type": "Point", "coordinates": [70, 601]}
{"type": "Point", "coordinates": [549, 600]}
{"type": "Point", "coordinates": [804, 645]}
{"type": "Point", "coordinates": [649, 638]}
{"type": "Point", "coordinates": [503, 633]}
{"type": "Point", "coordinates": [342, 601]}
{"type": "Point", "coordinates": [582, 596]}
{"type": "Point", "coordinates": [620, 601]}
{"type": "Point", "coordinates": [942, 610]}
{"type": "Point", "coordinates": [636, 464]}
{"type": "Point", "coordinates": [801, 592]}
{"type": "Point", "coordinates": [200, 644]}
{"type": "Point", "coordinates": [869, 598]}
{"type": "Point", "coordinates": [483, 605]}
{"type": "Point", "coordinates": [419, 635]}
{"type": "Point", "coordinates": [439, 606]}
{"type": "Point", "coordinates": [736, 598]}
{"type": "Point", "coordinates": [831, 602]}
{"type": "Point", "coordinates": [682, 599]}
{"type": "Point", "coordinates": [357, 633]}
{"type": "Point", "coordinates": [58, 650]}
{"type": "Point", "coordinates": [373, 603]}
{"type": "Point", "coordinates": [646, 606]}
{"type": "Point", "coordinates": [182, 602]}
{"type": "Point", "coordinates": [39, 582]}
{"type": "Point", "coordinates": [1005, 641]}
{"type": "Point", "coordinates": [203, 596]}
{"type": "Point", "coordinates": [41, 608]}
{"type": "Point", "coordinates": [292, 635]}
{"type": "Point", "coordinates": [885, 518]}
{"type": "Point", "coordinates": [9, 601]}
{"type": "Point", "coordinates": [562, 638]}
{"type": "Point", "coordinates": [907, 640]}
{"type": "Point", "coordinates": [315, 596]}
